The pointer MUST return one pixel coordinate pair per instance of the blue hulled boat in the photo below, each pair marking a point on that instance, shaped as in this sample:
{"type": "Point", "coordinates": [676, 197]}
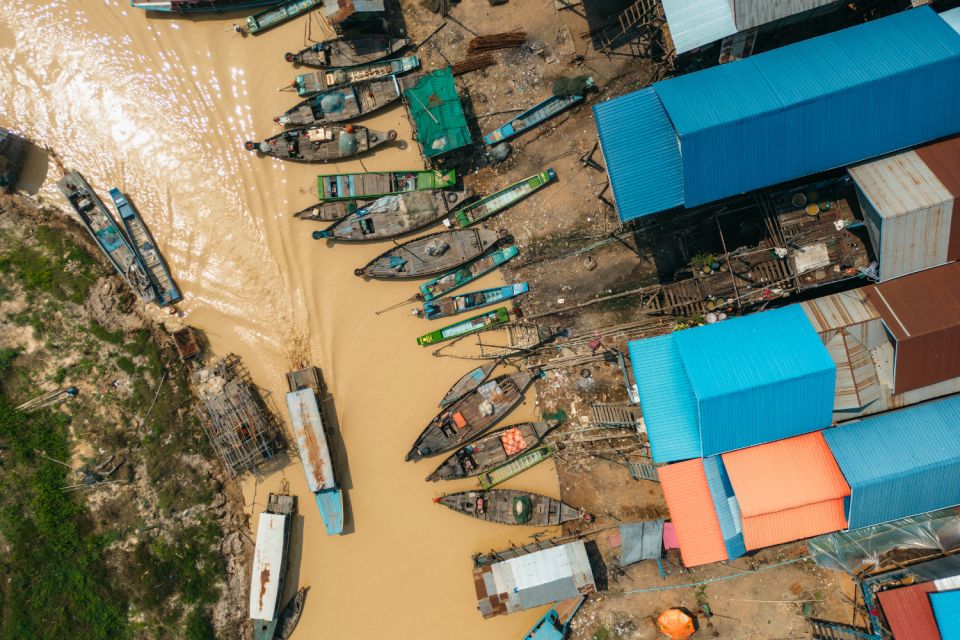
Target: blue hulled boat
{"type": "Point", "coordinates": [555, 623]}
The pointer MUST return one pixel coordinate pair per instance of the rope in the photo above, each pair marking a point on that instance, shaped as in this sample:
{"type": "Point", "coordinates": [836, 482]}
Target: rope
{"type": "Point", "coordinates": [718, 579]}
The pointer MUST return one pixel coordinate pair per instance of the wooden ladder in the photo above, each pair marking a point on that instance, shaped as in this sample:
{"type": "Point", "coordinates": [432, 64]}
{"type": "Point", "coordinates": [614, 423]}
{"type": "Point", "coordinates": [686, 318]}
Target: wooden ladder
{"type": "Point", "coordinates": [615, 415]}
{"type": "Point", "coordinates": [826, 630]}
{"type": "Point", "coordinates": [638, 14]}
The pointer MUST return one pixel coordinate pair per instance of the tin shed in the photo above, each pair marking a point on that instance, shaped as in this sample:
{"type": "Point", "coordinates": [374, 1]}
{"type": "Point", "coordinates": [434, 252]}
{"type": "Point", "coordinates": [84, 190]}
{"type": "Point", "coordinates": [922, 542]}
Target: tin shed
{"type": "Point", "coordinates": [693, 513]}
{"type": "Point", "coordinates": [311, 440]}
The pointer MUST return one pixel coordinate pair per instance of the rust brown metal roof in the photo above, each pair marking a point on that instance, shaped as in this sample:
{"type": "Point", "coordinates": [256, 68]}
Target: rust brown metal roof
{"type": "Point", "coordinates": [922, 312]}
{"type": "Point", "coordinates": [908, 612]}
{"type": "Point", "coordinates": [943, 158]}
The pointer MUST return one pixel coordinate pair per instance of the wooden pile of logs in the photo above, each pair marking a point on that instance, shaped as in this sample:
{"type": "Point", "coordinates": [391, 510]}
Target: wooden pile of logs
{"type": "Point", "coordinates": [473, 63]}
{"type": "Point", "coordinates": [496, 41]}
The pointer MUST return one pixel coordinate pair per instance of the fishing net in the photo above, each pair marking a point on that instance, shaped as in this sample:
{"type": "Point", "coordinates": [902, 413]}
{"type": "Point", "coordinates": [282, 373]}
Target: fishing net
{"type": "Point", "coordinates": [522, 509]}
{"type": "Point", "coordinates": [566, 87]}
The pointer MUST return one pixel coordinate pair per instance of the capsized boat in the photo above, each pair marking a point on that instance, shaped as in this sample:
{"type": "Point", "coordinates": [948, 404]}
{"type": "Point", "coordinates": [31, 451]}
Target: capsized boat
{"type": "Point", "coordinates": [430, 254]}
{"type": "Point", "coordinates": [344, 103]}
{"type": "Point", "coordinates": [492, 450]}
{"type": "Point", "coordinates": [199, 6]}
{"type": "Point", "coordinates": [468, 273]}
{"type": "Point", "coordinates": [329, 211]}
{"type": "Point", "coordinates": [307, 84]}
{"type": "Point", "coordinates": [535, 115]}
{"type": "Point", "coordinates": [509, 506]}
{"type": "Point", "coordinates": [392, 216]}
{"type": "Point", "coordinates": [470, 416]}
{"type": "Point", "coordinates": [270, 564]}
{"type": "Point", "coordinates": [104, 230]}
{"type": "Point", "coordinates": [503, 199]}
{"type": "Point", "coordinates": [306, 417]}
{"type": "Point", "coordinates": [468, 382]}
{"type": "Point", "coordinates": [291, 615]}
{"type": "Point", "coordinates": [482, 322]}
{"type": "Point", "coordinates": [321, 143]}
{"type": "Point", "coordinates": [146, 249]}
{"type": "Point", "coordinates": [555, 623]}
{"type": "Point", "coordinates": [371, 185]}
{"type": "Point", "coordinates": [347, 52]}
{"type": "Point", "coordinates": [452, 305]}
{"type": "Point", "coordinates": [516, 466]}
{"type": "Point", "coordinates": [279, 14]}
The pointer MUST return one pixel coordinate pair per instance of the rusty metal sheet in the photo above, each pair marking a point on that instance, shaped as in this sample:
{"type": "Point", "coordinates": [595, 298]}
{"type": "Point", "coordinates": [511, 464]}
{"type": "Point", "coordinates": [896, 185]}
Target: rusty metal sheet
{"type": "Point", "coordinates": [943, 158]}
{"type": "Point", "coordinates": [839, 310]}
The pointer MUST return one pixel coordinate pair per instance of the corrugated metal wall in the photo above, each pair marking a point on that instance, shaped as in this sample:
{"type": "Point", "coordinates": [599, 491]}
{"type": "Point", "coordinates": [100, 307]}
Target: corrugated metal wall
{"type": "Point", "coordinates": [694, 23]}
{"type": "Point", "coordinates": [691, 507]}
{"type": "Point", "coordinates": [753, 13]}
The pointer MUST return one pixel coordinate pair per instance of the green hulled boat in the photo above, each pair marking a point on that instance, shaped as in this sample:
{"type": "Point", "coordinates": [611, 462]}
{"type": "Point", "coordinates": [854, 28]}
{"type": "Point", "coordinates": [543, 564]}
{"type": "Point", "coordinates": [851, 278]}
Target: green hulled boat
{"type": "Point", "coordinates": [483, 321]}
{"type": "Point", "coordinates": [372, 185]}
{"type": "Point", "coordinates": [451, 280]}
{"type": "Point", "coordinates": [281, 13]}
{"type": "Point", "coordinates": [516, 466]}
{"type": "Point", "coordinates": [503, 199]}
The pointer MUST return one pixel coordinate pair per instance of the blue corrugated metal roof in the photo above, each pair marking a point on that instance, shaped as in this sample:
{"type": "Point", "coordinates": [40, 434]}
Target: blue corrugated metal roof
{"type": "Point", "coordinates": [946, 611]}
{"type": "Point", "coordinates": [694, 23]}
{"type": "Point", "coordinates": [758, 378]}
{"type": "Point", "coordinates": [901, 463]}
{"type": "Point", "coordinates": [725, 502]}
{"type": "Point", "coordinates": [787, 113]}
{"type": "Point", "coordinates": [952, 18]}
{"type": "Point", "coordinates": [645, 172]}
{"type": "Point", "coordinates": [666, 398]}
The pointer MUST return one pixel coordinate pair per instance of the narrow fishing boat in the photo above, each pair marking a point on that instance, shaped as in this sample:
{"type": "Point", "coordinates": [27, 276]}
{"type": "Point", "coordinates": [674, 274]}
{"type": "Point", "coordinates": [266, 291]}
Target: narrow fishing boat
{"type": "Point", "coordinates": [470, 381]}
{"type": "Point", "coordinates": [329, 211]}
{"type": "Point", "coordinates": [104, 230]}
{"type": "Point", "coordinates": [501, 200]}
{"type": "Point", "coordinates": [270, 564]}
{"type": "Point", "coordinates": [321, 143]}
{"type": "Point", "coordinates": [508, 506]}
{"type": "Point", "coordinates": [431, 254]}
{"type": "Point", "coordinates": [291, 615]}
{"type": "Point", "coordinates": [488, 320]}
{"type": "Point", "coordinates": [280, 13]}
{"type": "Point", "coordinates": [146, 249]}
{"type": "Point", "coordinates": [451, 306]}
{"type": "Point", "coordinates": [347, 52]}
{"type": "Point", "coordinates": [535, 115]}
{"type": "Point", "coordinates": [306, 417]}
{"type": "Point", "coordinates": [555, 623]}
{"type": "Point", "coordinates": [470, 416]}
{"type": "Point", "coordinates": [199, 6]}
{"type": "Point", "coordinates": [343, 103]}
{"type": "Point", "coordinates": [370, 185]}
{"type": "Point", "coordinates": [468, 273]}
{"type": "Point", "coordinates": [307, 84]}
{"type": "Point", "coordinates": [518, 465]}
{"type": "Point", "coordinates": [392, 216]}
{"type": "Point", "coordinates": [492, 450]}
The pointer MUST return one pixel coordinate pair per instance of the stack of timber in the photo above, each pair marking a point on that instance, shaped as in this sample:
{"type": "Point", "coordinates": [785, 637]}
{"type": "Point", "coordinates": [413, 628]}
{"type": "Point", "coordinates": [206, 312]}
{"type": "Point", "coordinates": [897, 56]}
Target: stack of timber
{"type": "Point", "coordinates": [496, 41]}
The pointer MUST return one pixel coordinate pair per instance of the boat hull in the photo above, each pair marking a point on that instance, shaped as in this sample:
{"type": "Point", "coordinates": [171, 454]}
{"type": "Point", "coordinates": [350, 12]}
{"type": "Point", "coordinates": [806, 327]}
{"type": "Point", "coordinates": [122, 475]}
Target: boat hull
{"type": "Point", "coordinates": [467, 383]}
{"type": "Point", "coordinates": [453, 280]}
{"type": "Point", "coordinates": [531, 118]}
{"type": "Point", "coordinates": [309, 84]}
{"type": "Point", "coordinates": [431, 254]}
{"type": "Point", "coordinates": [342, 104]}
{"type": "Point", "coordinates": [461, 303]}
{"type": "Point", "coordinates": [515, 466]}
{"type": "Point", "coordinates": [392, 216]}
{"type": "Point", "coordinates": [345, 53]}
{"type": "Point", "coordinates": [279, 14]}
{"type": "Point", "coordinates": [201, 6]}
{"type": "Point", "coordinates": [493, 204]}
{"type": "Point", "coordinates": [330, 504]}
{"type": "Point", "coordinates": [326, 143]}
{"type": "Point", "coordinates": [501, 506]}
{"type": "Point", "coordinates": [492, 450]}
{"type": "Point", "coordinates": [373, 185]}
{"type": "Point", "coordinates": [477, 323]}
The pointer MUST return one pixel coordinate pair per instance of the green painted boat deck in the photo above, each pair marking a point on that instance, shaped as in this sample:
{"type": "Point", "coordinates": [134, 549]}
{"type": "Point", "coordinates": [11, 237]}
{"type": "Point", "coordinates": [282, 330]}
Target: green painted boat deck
{"type": "Point", "coordinates": [516, 466]}
{"type": "Point", "coordinates": [503, 199]}
{"type": "Point", "coordinates": [495, 318]}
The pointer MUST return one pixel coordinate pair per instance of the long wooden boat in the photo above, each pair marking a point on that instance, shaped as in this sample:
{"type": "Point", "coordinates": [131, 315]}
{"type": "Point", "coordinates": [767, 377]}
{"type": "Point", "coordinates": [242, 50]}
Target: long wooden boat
{"type": "Point", "coordinates": [310, 431]}
{"type": "Point", "coordinates": [279, 14]}
{"type": "Point", "coordinates": [145, 246]}
{"type": "Point", "coordinates": [329, 211]}
{"type": "Point", "coordinates": [488, 320]}
{"type": "Point", "coordinates": [270, 564]}
{"type": "Point", "coordinates": [291, 615]}
{"type": "Point", "coordinates": [452, 305]}
{"type": "Point", "coordinates": [199, 6]}
{"type": "Point", "coordinates": [501, 200]}
{"type": "Point", "coordinates": [468, 382]}
{"type": "Point", "coordinates": [518, 465]}
{"type": "Point", "coordinates": [371, 185]}
{"type": "Point", "coordinates": [104, 230]}
{"type": "Point", "coordinates": [343, 103]}
{"type": "Point", "coordinates": [392, 216]}
{"type": "Point", "coordinates": [430, 254]}
{"type": "Point", "coordinates": [555, 623]}
{"type": "Point", "coordinates": [347, 52]}
{"type": "Point", "coordinates": [308, 84]}
{"type": "Point", "coordinates": [509, 506]}
{"type": "Point", "coordinates": [321, 143]}
{"type": "Point", "coordinates": [452, 280]}
{"type": "Point", "coordinates": [469, 417]}
{"type": "Point", "coordinates": [492, 450]}
{"type": "Point", "coordinates": [535, 115]}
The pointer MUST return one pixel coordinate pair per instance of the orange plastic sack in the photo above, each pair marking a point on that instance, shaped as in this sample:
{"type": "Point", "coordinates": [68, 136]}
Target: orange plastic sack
{"type": "Point", "coordinates": [676, 624]}
{"type": "Point", "coordinates": [513, 441]}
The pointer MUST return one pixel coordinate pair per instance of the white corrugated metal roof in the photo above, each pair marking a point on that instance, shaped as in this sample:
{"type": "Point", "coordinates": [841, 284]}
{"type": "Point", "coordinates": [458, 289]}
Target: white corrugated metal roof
{"type": "Point", "coordinates": [694, 23]}
{"type": "Point", "coordinates": [268, 559]}
{"type": "Point", "coordinates": [753, 13]}
{"type": "Point", "coordinates": [900, 184]}
{"type": "Point", "coordinates": [311, 439]}
{"type": "Point", "coordinates": [953, 18]}
{"type": "Point", "coordinates": [544, 576]}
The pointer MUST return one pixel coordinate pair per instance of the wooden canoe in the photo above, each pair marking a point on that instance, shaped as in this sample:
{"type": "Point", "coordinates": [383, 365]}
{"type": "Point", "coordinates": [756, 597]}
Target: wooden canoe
{"type": "Point", "coordinates": [430, 254]}
{"type": "Point", "coordinates": [372, 185]}
{"type": "Point", "coordinates": [321, 143]}
{"type": "Point", "coordinates": [501, 200]}
{"type": "Point", "coordinates": [308, 84]}
{"type": "Point", "coordinates": [470, 381]}
{"type": "Point", "coordinates": [291, 615]}
{"type": "Point", "coordinates": [516, 466]}
{"type": "Point", "coordinates": [508, 506]}
{"type": "Point", "coordinates": [532, 117]}
{"type": "Point", "coordinates": [469, 417]}
{"type": "Point", "coordinates": [482, 322]}
{"type": "Point", "coordinates": [279, 14]}
{"type": "Point", "coordinates": [347, 52]}
{"type": "Point", "coordinates": [452, 280]}
{"type": "Point", "coordinates": [460, 303]}
{"type": "Point", "coordinates": [492, 450]}
{"type": "Point", "coordinates": [345, 103]}
{"type": "Point", "coordinates": [329, 211]}
{"type": "Point", "coordinates": [392, 216]}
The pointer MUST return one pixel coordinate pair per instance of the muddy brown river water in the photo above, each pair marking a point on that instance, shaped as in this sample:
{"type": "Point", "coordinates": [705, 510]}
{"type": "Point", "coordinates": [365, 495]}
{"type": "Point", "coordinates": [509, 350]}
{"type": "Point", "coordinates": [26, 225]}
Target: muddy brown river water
{"type": "Point", "coordinates": [161, 107]}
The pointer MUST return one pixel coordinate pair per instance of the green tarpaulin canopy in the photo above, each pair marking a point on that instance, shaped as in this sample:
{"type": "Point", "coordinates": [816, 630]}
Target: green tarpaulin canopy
{"type": "Point", "coordinates": [437, 113]}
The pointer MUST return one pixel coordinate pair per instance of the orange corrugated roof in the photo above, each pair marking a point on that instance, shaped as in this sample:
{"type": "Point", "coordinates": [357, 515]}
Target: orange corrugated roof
{"type": "Point", "coordinates": [908, 612]}
{"type": "Point", "coordinates": [793, 524]}
{"type": "Point", "coordinates": [694, 518]}
{"type": "Point", "coordinates": [784, 475]}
